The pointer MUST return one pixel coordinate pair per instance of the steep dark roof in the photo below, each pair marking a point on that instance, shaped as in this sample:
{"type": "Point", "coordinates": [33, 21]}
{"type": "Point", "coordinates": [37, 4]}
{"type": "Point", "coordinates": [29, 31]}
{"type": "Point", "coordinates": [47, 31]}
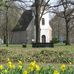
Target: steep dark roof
{"type": "Point", "coordinates": [24, 21]}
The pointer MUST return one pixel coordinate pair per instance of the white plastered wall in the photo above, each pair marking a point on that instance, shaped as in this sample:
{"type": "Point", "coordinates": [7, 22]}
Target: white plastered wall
{"type": "Point", "coordinates": [45, 29]}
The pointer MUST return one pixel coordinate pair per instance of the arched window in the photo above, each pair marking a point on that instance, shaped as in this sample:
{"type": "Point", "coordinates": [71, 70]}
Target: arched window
{"type": "Point", "coordinates": [43, 39]}
{"type": "Point", "coordinates": [43, 21]}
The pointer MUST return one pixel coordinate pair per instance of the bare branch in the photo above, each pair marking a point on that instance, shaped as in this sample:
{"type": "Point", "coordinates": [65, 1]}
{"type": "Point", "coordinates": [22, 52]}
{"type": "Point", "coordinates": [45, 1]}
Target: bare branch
{"type": "Point", "coordinates": [44, 9]}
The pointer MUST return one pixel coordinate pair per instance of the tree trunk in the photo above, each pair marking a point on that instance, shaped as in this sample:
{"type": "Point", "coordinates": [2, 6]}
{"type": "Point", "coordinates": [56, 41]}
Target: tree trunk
{"type": "Point", "coordinates": [4, 39]}
{"type": "Point", "coordinates": [58, 33]}
{"type": "Point", "coordinates": [67, 34]}
{"type": "Point", "coordinates": [7, 26]}
{"type": "Point", "coordinates": [37, 21]}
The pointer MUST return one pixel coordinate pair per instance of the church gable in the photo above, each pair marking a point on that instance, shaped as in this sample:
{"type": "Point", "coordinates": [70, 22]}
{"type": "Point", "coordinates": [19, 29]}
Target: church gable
{"type": "Point", "coordinates": [24, 21]}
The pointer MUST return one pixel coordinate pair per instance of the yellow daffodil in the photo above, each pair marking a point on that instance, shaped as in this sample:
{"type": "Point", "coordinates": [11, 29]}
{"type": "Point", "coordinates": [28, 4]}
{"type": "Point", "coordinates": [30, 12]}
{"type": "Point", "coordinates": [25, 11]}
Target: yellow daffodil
{"type": "Point", "coordinates": [1, 67]}
{"type": "Point", "coordinates": [25, 72]}
{"type": "Point", "coordinates": [37, 67]}
{"type": "Point", "coordinates": [32, 65]}
{"type": "Point", "coordinates": [70, 63]}
{"type": "Point", "coordinates": [9, 63]}
{"type": "Point", "coordinates": [13, 66]}
{"type": "Point", "coordinates": [20, 62]}
{"type": "Point", "coordinates": [19, 67]}
{"type": "Point", "coordinates": [8, 59]}
{"type": "Point", "coordinates": [55, 72]}
{"type": "Point", "coordinates": [5, 71]}
{"type": "Point", "coordinates": [63, 67]}
{"type": "Point", "coordinates": [31, 68]}
{"type": "Point", "coordinates": [10, 66]}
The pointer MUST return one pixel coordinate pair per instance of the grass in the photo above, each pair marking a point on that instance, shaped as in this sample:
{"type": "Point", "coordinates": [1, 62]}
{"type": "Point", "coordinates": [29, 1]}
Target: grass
{"type": "Point", "coordinates": [56, 47]}
{"type": "Point", "coordinates": [45, 57]}
{"type": "Point", "coordinates": [42, 55]}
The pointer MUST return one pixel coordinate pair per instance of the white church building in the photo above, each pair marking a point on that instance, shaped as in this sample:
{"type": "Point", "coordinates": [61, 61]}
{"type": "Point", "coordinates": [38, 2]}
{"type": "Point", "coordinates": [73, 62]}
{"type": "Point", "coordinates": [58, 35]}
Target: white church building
{"type": "Point", "coordinates": [25, 30]}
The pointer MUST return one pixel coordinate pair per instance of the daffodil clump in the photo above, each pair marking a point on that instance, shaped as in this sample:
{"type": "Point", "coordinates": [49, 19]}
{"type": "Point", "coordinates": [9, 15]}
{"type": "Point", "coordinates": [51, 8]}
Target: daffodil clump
{"type": "Point", "coordinates": [63, 67]}
{"type": "Point", "coordinates": [34, 68]}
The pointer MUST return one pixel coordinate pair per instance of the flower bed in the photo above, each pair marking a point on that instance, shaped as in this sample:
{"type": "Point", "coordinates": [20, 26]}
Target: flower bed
{"type": "Point", "coordinates": [34, 68]}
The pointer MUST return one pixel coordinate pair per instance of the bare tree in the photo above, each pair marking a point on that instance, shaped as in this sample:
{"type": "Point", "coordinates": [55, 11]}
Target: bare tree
{"type": "Point", "coordinates": [68, 16]}
{"type": "Point", "coordinates": [8, 19]}
{"type": "Point", "coordinates": [67, 13]}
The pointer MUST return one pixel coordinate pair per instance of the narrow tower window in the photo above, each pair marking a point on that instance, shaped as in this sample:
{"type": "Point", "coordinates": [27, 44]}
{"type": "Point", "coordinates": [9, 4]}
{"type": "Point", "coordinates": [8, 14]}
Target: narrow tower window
{"type": "Point", "coordinates": [43, 21]}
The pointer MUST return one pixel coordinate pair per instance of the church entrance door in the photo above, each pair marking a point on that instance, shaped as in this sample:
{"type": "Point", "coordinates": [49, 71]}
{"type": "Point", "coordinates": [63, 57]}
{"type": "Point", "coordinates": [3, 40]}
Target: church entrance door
{"type": "Point", "coordinates": [43, 39]}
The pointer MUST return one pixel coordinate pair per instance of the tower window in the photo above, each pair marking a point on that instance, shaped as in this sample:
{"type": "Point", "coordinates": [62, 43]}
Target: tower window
{"type": "Point", "coordinates": [43, 21]}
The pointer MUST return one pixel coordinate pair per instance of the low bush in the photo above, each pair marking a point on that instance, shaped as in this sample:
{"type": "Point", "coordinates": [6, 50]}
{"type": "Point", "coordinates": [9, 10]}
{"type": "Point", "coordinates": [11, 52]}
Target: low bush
{"type": "Point", "coordinates": [55, 40]}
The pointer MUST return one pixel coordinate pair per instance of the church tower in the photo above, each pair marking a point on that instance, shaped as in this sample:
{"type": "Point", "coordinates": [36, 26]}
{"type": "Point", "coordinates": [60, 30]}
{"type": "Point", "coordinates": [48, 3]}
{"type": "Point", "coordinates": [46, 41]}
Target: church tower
{"type": "Point", "coordinates": [45, 28]}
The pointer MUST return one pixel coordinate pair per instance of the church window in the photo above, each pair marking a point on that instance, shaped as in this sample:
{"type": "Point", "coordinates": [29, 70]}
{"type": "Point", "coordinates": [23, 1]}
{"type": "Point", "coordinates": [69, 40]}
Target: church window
{"type": "Point", "coordinates": [43, 21]}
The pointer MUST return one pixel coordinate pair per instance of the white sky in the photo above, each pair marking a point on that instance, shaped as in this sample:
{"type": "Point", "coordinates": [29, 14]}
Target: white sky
{"type": "Point", "coordinates": [52, 2]}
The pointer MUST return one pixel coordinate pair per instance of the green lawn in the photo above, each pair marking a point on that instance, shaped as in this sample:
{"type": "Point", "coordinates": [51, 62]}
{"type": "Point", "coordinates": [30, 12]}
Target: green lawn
{"type": "Point", "coordinates": [59, 54]}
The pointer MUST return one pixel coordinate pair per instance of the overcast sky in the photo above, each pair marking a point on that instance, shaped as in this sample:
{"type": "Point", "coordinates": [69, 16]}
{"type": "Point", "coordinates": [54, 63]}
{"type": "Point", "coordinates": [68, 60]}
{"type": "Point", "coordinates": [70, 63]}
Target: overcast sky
{"type": "Point", "coordinates": [52, 2]}
{"type": "Point", "coordinates": [27, 3]}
